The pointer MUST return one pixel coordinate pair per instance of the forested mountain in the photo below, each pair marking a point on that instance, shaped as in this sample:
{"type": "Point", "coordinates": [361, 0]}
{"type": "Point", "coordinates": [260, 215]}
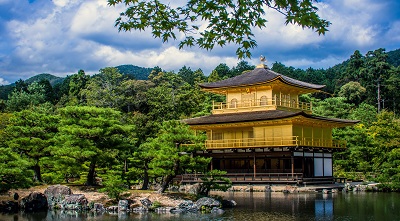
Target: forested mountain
{"type": "Point", "coordinates": [134, 72]}
{"type": "Point", "coordinates": [53, 80]}
{"type": "Point", "coordinates": [394, 57]}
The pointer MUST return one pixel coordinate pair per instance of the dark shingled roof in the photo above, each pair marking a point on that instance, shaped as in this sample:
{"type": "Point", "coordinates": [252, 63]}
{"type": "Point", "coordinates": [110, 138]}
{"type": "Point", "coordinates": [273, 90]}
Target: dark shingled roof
{"type": "Point", "coordinates": [257, 116]}
{"type": "Point", "coordinates": [257, 76]}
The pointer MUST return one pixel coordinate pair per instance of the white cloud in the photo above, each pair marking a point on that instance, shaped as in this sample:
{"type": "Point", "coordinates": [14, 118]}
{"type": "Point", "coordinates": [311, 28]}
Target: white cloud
{"type": "Point", "coordinates": [3, 82]}
{"type": "Point", "coordinates": [67, 35]}
{"type": "Point", "coordinates": [94, 16]}
{"type": "Point", "coordinates": [314, 63]}
{"type": "Point", "coordinates": [169, 58]}
{"type": "Point", "coordinates": [278, 35]}
{"type": "Point", "coordinates": [394, 32]}
{"type": "Point", "coordinates": [353, 21]}
{"type": "Point", "coordinates": [65, 3]}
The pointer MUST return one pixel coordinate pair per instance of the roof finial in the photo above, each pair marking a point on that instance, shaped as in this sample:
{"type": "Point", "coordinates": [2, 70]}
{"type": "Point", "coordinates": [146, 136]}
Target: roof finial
{"type": "Point", "coordinates": [263, 60]}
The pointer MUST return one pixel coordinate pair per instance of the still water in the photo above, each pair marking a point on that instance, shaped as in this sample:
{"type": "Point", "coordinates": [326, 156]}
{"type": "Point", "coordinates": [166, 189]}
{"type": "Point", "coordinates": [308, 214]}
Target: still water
{"type": "Point", "coordinates": [261, 206]}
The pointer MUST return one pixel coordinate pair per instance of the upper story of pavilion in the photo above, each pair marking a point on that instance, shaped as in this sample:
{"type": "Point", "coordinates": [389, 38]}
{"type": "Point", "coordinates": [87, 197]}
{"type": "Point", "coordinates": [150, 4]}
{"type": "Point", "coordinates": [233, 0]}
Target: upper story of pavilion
{"type": "Point", "coordinates": [259, 90]}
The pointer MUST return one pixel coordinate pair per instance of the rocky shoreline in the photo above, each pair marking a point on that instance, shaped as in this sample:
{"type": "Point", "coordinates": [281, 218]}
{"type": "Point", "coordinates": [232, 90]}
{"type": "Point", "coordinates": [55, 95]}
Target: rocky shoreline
{"type": "Point", "coordinates": [60, 197]}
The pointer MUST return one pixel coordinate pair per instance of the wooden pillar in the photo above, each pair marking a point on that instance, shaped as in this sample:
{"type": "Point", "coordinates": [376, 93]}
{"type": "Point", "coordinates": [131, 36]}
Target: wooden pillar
{"type": "Point", "coordinates": [254, 165]}
{"type": "Point", "coordinates": [292, 159]}
{"type": "Point", "coordinates": [211, 165]}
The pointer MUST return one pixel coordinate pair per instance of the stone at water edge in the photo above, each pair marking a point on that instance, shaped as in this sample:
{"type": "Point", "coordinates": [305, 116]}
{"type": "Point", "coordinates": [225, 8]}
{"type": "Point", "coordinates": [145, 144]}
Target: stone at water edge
{"type": "Point", "coordinates": [188, 206]}
{"type": "Point", "coordinates": [34, 202]}
{"type": "Point", "coordinates": [123, 205]}
{"type": "Point", "coordinates": [112, 209]}
{"type": "Point", "coordinates": [56, 194]}
{"type": "Point", "coordinates": [75, 202]}
{"type": "Point", "coordinates": [228, 203]}
{"type": "Point", "coordinates": [217, 210]}
{"type": "Point", "coordinates": [8, 206]}
{"type": "Point", "coordinates": [15, 196]}
{"type": "Point", "coordinates": [146, 202]}
{"type": "Point", "coordinates": [98, 207]}
{"type": "Point", "coordinates": [207, 202]}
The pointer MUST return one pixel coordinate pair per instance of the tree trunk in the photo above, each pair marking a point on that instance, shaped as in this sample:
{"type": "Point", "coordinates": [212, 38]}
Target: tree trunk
{"type": "Point", "coordinates": [90, 181]}
{"type": "Point", "coordinates": [38, 175]}
{"type": "Point", "coordinates": [145, 185]}
{"type": "Point", "coordinates": [170, 177]}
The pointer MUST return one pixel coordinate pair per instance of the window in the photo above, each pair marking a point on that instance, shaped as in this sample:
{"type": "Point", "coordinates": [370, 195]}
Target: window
{"type": "Point", "coordinates": [263, 101]}
{"type": "Point", "coordinates": [233, 103]}
{"type": "Point", "coordinates": [217, 136]}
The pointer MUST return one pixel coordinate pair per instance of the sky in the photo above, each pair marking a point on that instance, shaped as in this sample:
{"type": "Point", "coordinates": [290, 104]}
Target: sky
{"type": "Point", "coordinates": [61, 37]}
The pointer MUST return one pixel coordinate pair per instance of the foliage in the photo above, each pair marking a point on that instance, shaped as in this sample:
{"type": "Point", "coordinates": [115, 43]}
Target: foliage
{"type": "Point", "coordinates": [22, 98]}
{"type": "Point", "coordinates": [134, 72]}
{"type": "Point", "coordinates": [90, 135]}
{"type": "Point", "coordinates": [386, 137]}
{"type": "Point", "coordinates": [31, 133]}
{"type": "Point", "coordinates": [353, 92]}
{"type": "Point", "coordinates": [103, 89]}
{"type": "Point", "coordinates": [214, 180]}
{"type": "Point", "coordinates": [335, 107]}
{"type": "Point", "coordinates": [94, 142]}
{"type": "Point", "coordinates": [113, 185]}
{"type": "Point", "coordinates": [226, 22]}
{"type": "Point", "coordinates": [44, 77]}
{"type": "Point", "coordinates": [14, 171]}
{"type": "Point", "coordinates": [394, 57]}
{"type": "Point", "coordinates": [172, 152]}
{"type": "Point", "coordinates": [155, 205]}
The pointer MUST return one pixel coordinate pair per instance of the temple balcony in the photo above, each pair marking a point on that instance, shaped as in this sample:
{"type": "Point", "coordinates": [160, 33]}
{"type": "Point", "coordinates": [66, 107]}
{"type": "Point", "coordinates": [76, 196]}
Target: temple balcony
{"type": "Point", "coordinates": [260, 105]}
{"type": "Point", "coordinates": [289, 141]}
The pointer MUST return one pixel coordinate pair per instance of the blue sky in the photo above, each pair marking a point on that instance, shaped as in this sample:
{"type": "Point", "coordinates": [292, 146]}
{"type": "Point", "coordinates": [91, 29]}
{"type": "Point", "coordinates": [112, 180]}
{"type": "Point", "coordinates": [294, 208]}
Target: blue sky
{"type": "Point", "coordinates": [62, 36]}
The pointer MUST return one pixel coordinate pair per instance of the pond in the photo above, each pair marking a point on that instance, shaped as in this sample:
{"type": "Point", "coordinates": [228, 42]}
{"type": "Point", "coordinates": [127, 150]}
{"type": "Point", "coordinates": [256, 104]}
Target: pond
{"type": "Point", "coordinates": [262, 206]}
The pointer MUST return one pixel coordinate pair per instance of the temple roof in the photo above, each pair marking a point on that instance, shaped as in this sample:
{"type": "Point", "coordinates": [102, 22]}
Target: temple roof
{"type": "Point", "coordinates": [258, 116]}
{"type": "Point", "coordinates": [258, 76]}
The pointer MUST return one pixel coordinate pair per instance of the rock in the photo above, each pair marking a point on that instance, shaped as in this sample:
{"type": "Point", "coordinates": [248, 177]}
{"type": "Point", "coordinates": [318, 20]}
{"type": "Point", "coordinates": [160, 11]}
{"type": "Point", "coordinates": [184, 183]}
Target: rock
{"type": "Point", "coordinates": [98, 207]}
{"type": "Point", "coordinates": [290, 189]}
{"type": "Point", "coordinates": [325, 191]}
{"type": "Point", "coordinates": [173, 188]}
{"type": "Point", "coordinates": [249, 188]}
{"type": "Point", "coordinates": [123, 205]}
{"type": "Point", "coordinates": [140, 209]}
{"type": "Point", "coordinates": [146, 202]}
{"type": "Point", "coordinates": [177, 210]}
{"type": "Point", "coordinates": [268, 188]}
{"type": "Point", "coordinates": [163, 209]}
{"type": "Point", "coordinates": [216, 210]}
{"type": "Point", "coordinates": [188, 206]}
{"type": "Point", "coordinates": [228, 203]}
{"type": "Point", "coordinates": [207, 203]}
{"type": "Point", "coordinates": [15, 196]}
{"type": "Point", "coordinates": [112, 209]}
{"type": "Point", "coordinates": [8, 206]}
{"type": "Point", "coordinates": [75, 202]}
{"type": "Point", "coordinates": [194, 189]}
{"type": "Point", "coordinates": [34, 202]}
{"type": "Point", "coordinates": [56, 194]}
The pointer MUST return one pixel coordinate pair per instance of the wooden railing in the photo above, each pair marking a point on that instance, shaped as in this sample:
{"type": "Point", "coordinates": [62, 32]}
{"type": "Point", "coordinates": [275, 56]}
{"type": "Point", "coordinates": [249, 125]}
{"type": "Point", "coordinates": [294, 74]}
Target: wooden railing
{"type": "Point", "coordinates": [273, 142]}
{"type": "Point", "coordinates": [244, 177]}
{"type": "Point", "coordinates": [262, 103]}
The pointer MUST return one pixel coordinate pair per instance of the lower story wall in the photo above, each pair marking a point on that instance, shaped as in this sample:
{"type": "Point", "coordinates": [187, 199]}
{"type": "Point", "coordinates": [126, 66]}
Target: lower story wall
{"type": "Point", "coordinates": [309, 164]}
